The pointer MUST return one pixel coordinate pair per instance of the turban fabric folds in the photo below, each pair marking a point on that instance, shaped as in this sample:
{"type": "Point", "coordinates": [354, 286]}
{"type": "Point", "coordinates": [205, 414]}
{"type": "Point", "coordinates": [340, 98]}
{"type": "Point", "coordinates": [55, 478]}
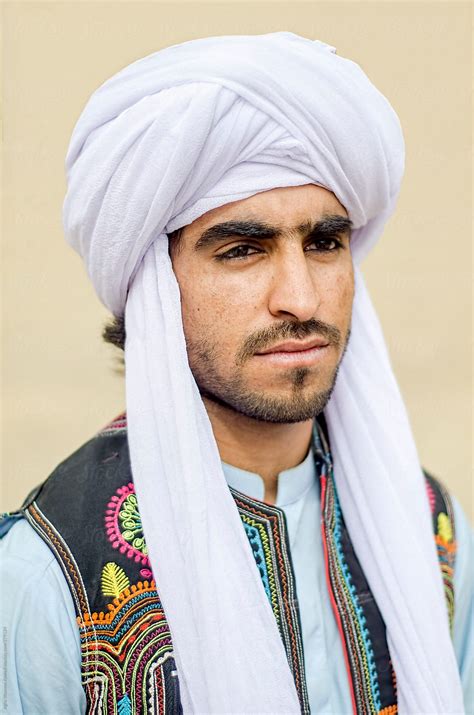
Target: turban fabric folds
{"type": "Point", "coordinates": [170, 137]}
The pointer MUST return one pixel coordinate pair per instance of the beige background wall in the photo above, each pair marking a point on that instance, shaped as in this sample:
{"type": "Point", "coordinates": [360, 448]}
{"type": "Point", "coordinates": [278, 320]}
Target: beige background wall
{"type": "Point", "coordinates": [59, 384]}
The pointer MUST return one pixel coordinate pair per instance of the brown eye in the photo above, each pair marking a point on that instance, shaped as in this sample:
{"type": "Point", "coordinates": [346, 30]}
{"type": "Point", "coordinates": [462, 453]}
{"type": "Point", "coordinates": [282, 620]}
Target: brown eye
{"type": "Point", "coordinates": [325, 245]}
{"type": "Point", "coordinates": [237, 252]}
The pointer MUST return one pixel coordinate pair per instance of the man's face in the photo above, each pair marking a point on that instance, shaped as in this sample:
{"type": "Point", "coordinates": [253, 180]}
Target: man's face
{"type": "Point", "coordinates": [266, 287]}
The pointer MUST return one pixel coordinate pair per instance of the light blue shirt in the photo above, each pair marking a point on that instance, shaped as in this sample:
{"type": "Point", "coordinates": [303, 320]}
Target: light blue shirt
{"type": "Point", "coordinates": [41, 638]}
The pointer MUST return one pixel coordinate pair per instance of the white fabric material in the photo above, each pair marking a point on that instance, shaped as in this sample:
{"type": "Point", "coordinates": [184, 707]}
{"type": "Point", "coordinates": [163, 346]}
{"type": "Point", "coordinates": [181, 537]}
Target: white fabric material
{"type": "Point", "coordinates": [168, 138]}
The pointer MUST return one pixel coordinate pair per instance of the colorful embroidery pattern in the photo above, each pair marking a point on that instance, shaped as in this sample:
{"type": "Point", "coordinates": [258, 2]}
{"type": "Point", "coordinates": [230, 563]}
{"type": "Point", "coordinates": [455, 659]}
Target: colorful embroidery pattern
{"type": "Point", "coordinates": [100, 632]}
{"type": "Point", "coordinates": [348, 610]}
{"type": "Point", "coordinates": [266, 530]}
{"type": "Point", "coordinates": [124, 527]}
{"type": "Point", "coordinates": [118, 424]}
{"type": "Point", "coordinates": [431, 496]}
{"type": "Point", "coordinates": [257, 537]}
{"type": "Point", "coordinates": [446, 548]}
{"type": "Point", "coordinates": [124, 652]}
{"type": "Point", "coordinates": [114, 580]}
{"type": "Point", "coordinates": [114, 642]}
{"type": "Point", "coordinates": [445, 538]}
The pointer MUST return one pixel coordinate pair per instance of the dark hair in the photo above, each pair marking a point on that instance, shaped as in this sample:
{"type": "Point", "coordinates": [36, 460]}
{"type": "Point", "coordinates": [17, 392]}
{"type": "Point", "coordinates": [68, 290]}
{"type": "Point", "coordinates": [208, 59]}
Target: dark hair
{"type": "Point", "coordinates": [114, 331]}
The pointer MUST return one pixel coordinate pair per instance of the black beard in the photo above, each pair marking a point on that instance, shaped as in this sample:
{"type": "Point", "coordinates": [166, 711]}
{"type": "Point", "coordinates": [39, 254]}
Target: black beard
{"type": "Point", "coordinates": [271, 409]}
{"type": "Point", "coordinates": [232, 394]}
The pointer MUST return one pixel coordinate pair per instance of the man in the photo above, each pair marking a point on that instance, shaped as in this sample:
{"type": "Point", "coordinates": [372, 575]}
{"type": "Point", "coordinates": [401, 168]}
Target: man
{"type": "Point", "coordinates": [314, 582]}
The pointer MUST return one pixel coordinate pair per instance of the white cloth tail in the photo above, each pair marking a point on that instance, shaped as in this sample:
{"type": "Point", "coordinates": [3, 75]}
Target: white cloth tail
{"type": "Point", "coordinates": [383, 498]}
{"type": "Point", "coordinates": [206, 574]}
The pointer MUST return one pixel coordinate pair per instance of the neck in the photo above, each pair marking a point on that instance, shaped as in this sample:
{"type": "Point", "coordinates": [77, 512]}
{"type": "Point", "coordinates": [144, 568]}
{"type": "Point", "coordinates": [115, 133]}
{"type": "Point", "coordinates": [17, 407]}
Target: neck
{"type": "Point", "coordinates": [264, 448]}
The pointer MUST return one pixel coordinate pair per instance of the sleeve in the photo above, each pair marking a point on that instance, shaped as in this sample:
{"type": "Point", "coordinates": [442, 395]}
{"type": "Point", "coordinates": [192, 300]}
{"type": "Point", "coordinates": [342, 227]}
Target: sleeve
{"type": "Point", "coordinates": [41, 643]}
{"type": "Point", "coordinates": [463, 628]}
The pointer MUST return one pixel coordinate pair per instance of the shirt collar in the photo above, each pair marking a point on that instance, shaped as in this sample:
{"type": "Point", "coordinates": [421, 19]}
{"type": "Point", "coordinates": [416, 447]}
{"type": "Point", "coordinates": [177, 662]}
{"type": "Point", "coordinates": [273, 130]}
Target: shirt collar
{"type": "Point", "coordinates": [292, 483]}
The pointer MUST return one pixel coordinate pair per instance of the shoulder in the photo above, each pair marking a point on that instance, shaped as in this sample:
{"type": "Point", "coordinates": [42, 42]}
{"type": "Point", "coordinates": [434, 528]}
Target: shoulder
{"type": "Point", "coordinates": [67, 505]}
{"type": "Point", "coordinates": [103, 454]}
{"type": "Point", "coordinates": [103, 459]}
{"type": "Point", "coordinates": [444, 503]}
{"type": "Point", "coordinates": [78, 512]}
{"type": "Point", "coordinates": [442, 514]}
{"type": "Point", "coordinates": [450, 524]}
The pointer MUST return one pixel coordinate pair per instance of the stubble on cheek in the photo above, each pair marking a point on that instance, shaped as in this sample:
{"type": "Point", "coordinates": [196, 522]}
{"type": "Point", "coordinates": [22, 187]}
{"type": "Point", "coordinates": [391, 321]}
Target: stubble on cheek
{"type": "Point", "coordinates": [227, 371]}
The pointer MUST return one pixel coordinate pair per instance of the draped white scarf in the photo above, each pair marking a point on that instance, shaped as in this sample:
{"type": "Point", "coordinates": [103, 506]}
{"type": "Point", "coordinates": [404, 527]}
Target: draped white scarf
{"type": "Point", "coordinates": [165, 140]}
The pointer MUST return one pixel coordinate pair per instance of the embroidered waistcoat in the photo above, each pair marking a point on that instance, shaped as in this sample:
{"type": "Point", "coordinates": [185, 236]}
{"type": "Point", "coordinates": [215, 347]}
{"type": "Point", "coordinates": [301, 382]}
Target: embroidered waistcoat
{"type": "Point", "coordinates": [86, 512]}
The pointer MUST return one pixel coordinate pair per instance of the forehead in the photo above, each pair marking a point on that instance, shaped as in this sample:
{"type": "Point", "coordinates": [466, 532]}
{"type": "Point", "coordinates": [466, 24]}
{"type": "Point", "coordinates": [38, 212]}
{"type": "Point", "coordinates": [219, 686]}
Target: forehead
{"type": "Point", "coordinates": [283, 207]}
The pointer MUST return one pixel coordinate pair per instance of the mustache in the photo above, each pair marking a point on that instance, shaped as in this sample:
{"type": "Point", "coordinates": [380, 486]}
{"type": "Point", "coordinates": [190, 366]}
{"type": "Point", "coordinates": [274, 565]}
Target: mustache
{"type": "Point", "coordinates": [267, 337]}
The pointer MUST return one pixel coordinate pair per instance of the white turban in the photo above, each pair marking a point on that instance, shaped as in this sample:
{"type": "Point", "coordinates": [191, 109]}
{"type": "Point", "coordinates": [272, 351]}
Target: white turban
{"type": "Point", "coordinates": [173, 135]}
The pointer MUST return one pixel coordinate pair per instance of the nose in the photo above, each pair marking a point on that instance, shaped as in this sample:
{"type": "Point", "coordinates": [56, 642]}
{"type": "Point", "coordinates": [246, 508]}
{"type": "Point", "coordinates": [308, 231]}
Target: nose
{"type": "Point", "coordinates": [293, 291]}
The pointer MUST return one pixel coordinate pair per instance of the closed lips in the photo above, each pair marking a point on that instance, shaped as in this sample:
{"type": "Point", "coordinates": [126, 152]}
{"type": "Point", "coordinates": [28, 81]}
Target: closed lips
{"type": "Point", "coordinates": [292, 346]}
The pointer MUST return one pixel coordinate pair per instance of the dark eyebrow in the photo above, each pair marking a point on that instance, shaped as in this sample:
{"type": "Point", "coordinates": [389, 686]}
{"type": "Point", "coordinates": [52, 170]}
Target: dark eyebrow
{"type": "Point", "coordinates": [327, 227]}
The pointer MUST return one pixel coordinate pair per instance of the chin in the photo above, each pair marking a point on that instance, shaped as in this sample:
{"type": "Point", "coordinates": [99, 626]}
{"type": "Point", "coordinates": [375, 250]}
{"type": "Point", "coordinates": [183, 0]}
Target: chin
{"type": "Point", "coordinates": [281, 408]}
